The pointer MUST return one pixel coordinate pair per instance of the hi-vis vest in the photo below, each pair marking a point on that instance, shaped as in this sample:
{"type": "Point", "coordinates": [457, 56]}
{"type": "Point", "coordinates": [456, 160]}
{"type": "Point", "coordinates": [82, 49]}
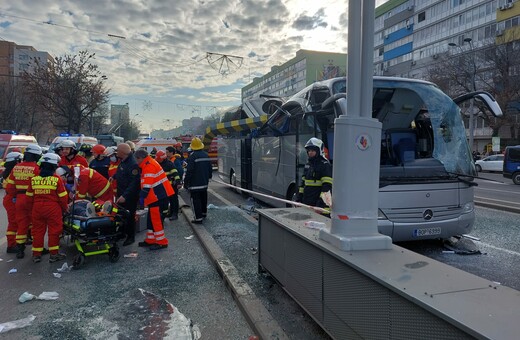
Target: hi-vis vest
{"type": "Point", "coordinates": [154, 183]}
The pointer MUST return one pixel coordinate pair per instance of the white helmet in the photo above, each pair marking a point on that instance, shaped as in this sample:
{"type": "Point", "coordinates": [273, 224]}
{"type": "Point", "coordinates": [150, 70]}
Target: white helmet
{"type": "Point", "coordinates": [316, 144]}
{"type": "Point", "coordinates": [50, 158]}
{"type": "Point", "coordinates": [110, 151]}
{"type": "Point", "coordinates": [13, 156]}
{"type": "Point", "coordinates": [34, 149]}
{"type": "Point", "coordinates": [67, 143]}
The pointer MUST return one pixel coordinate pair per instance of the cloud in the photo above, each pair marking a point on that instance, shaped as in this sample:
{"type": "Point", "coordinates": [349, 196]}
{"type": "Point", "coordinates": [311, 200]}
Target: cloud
{"type": "Point", "coordinates": [306, 23]}
{"type": "Point", "coordinates": [158, 48]}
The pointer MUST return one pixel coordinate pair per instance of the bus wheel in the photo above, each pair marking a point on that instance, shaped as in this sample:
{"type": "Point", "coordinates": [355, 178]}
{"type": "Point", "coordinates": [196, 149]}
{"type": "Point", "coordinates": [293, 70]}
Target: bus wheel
{"type": "Point", "coordinates": [516, 178]}
{"type": "Point", "coordinates": [291, 195]}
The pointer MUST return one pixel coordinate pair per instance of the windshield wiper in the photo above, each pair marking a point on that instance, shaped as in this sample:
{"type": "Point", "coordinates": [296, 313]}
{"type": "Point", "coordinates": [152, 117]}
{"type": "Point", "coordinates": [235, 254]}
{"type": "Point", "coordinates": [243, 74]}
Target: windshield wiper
{"type": "Point", "coordinates": [470, 183]}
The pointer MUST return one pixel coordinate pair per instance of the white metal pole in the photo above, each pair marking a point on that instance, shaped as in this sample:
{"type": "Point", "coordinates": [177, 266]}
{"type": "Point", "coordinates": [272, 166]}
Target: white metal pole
{"type": "Point", "coordinates": [357, 145]}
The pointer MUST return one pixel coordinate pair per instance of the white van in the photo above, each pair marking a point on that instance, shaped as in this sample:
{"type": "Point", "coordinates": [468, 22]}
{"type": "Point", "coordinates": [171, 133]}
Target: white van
{"type": "Point", "coordinates": [79, 139]}
{"type": "Point", "coordinates": [155, 143]}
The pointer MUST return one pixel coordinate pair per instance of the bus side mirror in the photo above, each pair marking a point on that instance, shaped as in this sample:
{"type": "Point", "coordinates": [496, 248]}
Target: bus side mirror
{"type": "Point", "coordinates": [485, 98]}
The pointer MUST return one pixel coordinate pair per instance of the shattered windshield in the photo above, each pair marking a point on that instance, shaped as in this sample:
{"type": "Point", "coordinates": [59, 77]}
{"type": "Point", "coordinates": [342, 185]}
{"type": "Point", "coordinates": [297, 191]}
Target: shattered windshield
{"type": "Point", "coordinates": [450, 146]}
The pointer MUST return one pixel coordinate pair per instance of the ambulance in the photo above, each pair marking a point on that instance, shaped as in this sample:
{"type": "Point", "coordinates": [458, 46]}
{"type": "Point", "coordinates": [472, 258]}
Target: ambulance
{"type": "Point", "coordinates": [149, 144]}
{"type": "Point", "coordinates": [79, 139]}
{"type": "Point", "coordinates": [10, 141]}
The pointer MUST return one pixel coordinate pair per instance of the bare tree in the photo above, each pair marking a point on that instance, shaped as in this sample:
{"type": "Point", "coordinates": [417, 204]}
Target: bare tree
{"type": "Point", "coordinates": [71, 89]}
{"type": "Point", "coordinates": [494, 69]}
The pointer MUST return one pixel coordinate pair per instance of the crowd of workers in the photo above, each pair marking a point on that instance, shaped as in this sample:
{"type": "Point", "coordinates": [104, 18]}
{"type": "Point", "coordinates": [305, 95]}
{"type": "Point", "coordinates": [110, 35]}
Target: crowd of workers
{"type": "Point", "coordinates": [39, 189]}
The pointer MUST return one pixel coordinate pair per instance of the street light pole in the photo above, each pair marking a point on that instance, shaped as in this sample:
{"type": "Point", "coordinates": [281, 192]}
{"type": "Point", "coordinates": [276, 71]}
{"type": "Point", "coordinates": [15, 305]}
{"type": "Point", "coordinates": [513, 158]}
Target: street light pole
{"type": "Point", "coordinates": [471, 123]}
{"type": "Point", "coordinates": [103, 77]}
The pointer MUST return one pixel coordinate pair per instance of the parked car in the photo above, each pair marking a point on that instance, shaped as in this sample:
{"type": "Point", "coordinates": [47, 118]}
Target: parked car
{"type": "Point", "coordinates": [490, 163]}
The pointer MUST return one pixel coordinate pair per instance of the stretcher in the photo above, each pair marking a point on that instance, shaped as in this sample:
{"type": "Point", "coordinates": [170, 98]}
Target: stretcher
{"type": "Point", "coordinates": [94, 233]}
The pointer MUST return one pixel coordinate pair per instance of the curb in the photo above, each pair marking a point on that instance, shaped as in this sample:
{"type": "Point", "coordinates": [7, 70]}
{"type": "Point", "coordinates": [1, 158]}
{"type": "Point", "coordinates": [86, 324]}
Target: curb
{"type": "Point", "coordinates": [258, 317]}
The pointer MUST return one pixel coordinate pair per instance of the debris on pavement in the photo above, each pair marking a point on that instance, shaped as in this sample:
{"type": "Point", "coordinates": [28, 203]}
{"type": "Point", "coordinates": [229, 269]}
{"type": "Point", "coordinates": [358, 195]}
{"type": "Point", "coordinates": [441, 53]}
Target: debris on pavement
{"type": "Point", "coordinates": [12, 271]}
{"type": "Point", "coordinates": [188, 237]}
{"type": "Point", "coordinates": [315, 225]}
{"type": "Point", "coordinates": [131, 255]}
{"type": "Point", "coordinates": [57, 275]}
{"type": "Point", "coordinates": [64, 268]}
{"type": "Point", "coordinates": [21, 323]}
{"type": "Point", "coordinates": [461, 246]}
{"type": "Point", "coordinates": [26, 296]}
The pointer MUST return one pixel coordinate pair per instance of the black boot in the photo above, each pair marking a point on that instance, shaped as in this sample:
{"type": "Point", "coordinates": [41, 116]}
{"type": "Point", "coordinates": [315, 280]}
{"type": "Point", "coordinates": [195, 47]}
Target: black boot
{"type": "Point", "coordinates": [21, 251]}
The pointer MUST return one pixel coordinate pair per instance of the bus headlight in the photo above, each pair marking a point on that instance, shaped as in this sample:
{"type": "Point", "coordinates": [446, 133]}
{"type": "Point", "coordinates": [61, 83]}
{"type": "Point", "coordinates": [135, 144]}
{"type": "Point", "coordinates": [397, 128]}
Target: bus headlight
{"type": "Point", "coordinates": [468, 207]}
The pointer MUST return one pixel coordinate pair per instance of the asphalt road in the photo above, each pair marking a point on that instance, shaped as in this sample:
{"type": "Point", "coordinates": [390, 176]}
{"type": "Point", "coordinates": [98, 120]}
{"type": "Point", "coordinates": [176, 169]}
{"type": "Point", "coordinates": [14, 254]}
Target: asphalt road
{"type": "Point", "coordinates": [104, 300]}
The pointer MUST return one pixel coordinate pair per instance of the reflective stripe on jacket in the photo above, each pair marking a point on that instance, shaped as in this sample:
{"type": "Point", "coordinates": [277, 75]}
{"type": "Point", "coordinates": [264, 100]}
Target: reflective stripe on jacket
{"type": "Point", "coordinates": [154, 183]}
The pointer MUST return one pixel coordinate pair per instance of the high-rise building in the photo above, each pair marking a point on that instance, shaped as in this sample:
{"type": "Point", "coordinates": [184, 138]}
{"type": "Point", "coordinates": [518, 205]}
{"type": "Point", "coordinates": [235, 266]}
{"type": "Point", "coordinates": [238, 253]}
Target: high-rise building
{"type": "Point", "coordinates": [119, 114]}
{"type": "Point", "coordinates": [304, 69]}
{"type": "Point", "coordinates": [412, 36]}
{"type": "Point", "coordinates": [15, 59]}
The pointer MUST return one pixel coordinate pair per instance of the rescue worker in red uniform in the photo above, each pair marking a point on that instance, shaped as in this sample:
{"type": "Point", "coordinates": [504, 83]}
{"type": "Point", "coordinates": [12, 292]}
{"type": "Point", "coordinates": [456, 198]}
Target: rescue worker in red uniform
{"type": "Point", "coordinates": [90, 183]}
{"type": "Point", "coordinates": [110, 152]}
{"type": "Point", "coordinates": [175, 181]}
{"type": "Point", "coordinates": [155, 190]}
{"type": "Point", "coordinates": [69, 154]}
{"type": "Point", "coordinates": [11, 160]}
{"type": "Point", "coordinates": [48, 199]}
{"type": "Point", "coordinates": [18, 183]}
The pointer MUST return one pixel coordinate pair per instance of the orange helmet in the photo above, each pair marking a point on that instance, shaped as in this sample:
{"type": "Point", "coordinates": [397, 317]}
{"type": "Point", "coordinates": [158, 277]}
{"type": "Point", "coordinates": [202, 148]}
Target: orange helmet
{"type": "Point", "coordinates": [98, 149]}
{"type": "Point", "coordinates": [160, 155]}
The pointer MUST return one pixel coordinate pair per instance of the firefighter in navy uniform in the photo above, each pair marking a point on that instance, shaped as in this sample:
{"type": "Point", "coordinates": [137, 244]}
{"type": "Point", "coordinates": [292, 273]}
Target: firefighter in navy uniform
{"type": "Point", "coordinates": [18, 182]}
{"type": "Point", "coordinates": [196, 179]}
{"type": "Point", "coordinates": [128, 179]}
{"type": "Point", "coordinates": [317, 176]}
{"type": "Point", "coordinates": [48, 198]}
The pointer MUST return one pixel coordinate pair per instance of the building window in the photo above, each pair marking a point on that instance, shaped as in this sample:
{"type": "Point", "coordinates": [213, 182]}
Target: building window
{"type": "Point", "coordinates": [421, 17]}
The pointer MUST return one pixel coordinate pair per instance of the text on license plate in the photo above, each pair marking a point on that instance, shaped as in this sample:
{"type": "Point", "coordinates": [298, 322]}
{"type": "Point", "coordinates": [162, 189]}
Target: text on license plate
{"type": "Point", "coordinates": [426, 232]}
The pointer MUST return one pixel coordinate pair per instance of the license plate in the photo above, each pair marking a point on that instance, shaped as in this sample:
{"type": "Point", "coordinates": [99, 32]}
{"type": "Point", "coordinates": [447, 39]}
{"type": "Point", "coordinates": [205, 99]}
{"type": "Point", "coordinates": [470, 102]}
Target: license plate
{"type": "Point", "coordinates": [426, 232]}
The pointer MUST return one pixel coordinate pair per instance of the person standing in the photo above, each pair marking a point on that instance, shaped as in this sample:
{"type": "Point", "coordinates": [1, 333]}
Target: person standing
{"type": "Point", "coordinates": [113, 165]}
{"type": "Point", "coordinates": [48, 200]}
{"type": "Point", "coordinates": [18, 182]}
{"type": "Point", "coordinates": [69, 154]}
{"type": "Point", "coordinates": [128, 187]}
{"type": "Point", "coordinates": [196, 179]}
{"type": "Point", "coordinates": [176, 159]}
{"type": "Point", "coordinates": [11, 160]}
{"type": "Point", "coordinates": [317, 176]}
{"type": "Point", "coordinates": [155, 192]}
{"type": "Point", "coordinates": [100, 163]}
{"type": "Point", "coordinates": [173, 177]}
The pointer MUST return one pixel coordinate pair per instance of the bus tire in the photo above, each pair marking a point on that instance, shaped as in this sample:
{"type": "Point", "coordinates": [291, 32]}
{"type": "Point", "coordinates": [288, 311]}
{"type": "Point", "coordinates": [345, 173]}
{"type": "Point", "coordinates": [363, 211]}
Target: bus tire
{"type": "Point", "coordinates": [291, 195]}
{"type": "Point", "coordinates": [516, 178]}
{"type": "Point", "coordinates": [233, 181]}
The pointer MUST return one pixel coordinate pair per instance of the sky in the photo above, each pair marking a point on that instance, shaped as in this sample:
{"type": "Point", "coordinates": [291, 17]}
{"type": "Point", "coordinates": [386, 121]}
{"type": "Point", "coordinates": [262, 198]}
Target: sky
{"type": "Point", "coordinates": [171, 60]}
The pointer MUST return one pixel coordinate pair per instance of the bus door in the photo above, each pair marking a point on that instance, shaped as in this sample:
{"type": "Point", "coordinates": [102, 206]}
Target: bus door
{"type": "Point", "coordinates": [245, 164]}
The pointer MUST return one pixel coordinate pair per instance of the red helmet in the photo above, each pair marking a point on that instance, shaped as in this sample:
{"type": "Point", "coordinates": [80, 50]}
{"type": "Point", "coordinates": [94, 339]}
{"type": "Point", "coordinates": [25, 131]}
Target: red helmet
{"type": "Point", "coordinates": [160, 155]}
{"type": "Point", "coordinates": [98, 149]}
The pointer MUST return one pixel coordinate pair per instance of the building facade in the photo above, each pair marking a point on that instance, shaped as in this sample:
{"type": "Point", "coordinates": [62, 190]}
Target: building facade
{"type": "Point", "coordinates": [412, 35]}
{"type": "Point", "coordinates": [304, 69]}
{"type": "Point", "coordinates": [119, 114]}
{"type": "Point", "coordinates": [15, 59]}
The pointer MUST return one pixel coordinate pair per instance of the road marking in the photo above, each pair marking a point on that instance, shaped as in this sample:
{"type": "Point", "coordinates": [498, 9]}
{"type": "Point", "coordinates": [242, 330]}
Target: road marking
{"type": "Point", "coordinates": [510, 252]}
{"type": "Point", "coordinates": [498, 190]}
{"type": "Point", "coordinates": [512, 203]}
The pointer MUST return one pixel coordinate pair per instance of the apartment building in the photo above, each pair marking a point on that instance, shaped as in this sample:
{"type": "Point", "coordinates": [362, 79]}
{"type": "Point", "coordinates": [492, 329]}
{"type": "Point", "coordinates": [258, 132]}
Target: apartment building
{"type": "Point", "coordinates": [304, 69]}
{"type": "Point", "coordinates": [412, 35]}
{"type": "Point", "coordinates": [15, 59]}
